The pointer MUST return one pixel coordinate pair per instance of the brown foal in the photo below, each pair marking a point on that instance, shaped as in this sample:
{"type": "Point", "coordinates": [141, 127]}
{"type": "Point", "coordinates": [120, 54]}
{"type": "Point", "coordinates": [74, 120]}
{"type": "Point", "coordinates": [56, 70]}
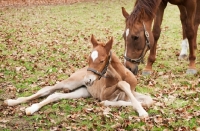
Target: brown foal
{"type": "Point", "coordinates": [105, 78]}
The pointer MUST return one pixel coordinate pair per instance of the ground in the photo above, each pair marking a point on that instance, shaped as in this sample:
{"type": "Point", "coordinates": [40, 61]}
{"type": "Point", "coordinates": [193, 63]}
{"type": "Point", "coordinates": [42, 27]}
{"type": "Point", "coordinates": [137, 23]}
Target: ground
{"type": "Point", "coordinates": [42, 45]}
{"type": "Point", "coordinates": [5, 3]}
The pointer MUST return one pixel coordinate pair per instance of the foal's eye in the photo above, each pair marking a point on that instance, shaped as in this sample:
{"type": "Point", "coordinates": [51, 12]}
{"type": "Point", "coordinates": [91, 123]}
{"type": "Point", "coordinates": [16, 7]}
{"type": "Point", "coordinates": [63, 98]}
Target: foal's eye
{"type": "Point", "coordinates": [135, 37]}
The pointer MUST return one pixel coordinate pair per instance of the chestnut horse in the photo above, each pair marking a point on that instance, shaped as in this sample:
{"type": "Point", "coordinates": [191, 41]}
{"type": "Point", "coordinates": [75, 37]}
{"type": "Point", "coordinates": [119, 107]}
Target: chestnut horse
{"type": "Point", "coordinates": [139, 38]}
{"type": "Point", "coordinates": [105, 78]}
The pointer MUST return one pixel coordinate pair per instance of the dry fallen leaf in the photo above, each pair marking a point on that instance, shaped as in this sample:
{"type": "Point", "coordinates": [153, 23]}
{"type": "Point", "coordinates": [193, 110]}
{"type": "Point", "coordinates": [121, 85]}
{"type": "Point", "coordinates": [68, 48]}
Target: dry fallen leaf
{"type": "Point", "coordinates": [106, 111]}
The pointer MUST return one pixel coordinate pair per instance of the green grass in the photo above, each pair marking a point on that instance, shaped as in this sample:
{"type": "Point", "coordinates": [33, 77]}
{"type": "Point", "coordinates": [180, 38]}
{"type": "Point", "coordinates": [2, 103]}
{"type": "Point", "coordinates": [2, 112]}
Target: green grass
{"type": "Point", "coordinates": [42, 45]}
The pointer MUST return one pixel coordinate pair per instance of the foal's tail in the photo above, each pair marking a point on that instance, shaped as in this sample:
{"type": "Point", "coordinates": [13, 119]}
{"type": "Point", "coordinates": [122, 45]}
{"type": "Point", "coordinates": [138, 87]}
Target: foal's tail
{"type": "Point", "coordinates": [145, 100]}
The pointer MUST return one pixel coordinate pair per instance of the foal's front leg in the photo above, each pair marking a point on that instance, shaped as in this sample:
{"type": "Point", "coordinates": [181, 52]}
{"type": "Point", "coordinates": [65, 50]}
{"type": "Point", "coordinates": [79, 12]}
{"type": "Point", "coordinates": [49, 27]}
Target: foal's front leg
{"type": "Point", "coordinates": [79, 93]}
{"type": "Point", "coordinates": [73, 82]}
{"type": "Point", "coordinates": [124, 86]}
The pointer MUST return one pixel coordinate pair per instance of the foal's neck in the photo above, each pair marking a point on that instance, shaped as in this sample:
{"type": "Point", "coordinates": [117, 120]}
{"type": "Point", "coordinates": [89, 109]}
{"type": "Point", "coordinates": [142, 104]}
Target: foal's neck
{"type": "Point", "coordinates": [117, 65]}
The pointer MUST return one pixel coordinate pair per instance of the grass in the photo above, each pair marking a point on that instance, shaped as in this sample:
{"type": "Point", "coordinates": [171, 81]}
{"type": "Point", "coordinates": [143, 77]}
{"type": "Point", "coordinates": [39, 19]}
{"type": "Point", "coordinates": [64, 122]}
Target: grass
{"type": "Point", "coordinates": [42, 45]}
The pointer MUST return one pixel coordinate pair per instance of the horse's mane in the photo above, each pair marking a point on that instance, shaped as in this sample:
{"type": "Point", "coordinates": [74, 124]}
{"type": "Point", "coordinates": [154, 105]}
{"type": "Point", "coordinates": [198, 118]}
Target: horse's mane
{"type": "Point", "coordinates": [143, 9]}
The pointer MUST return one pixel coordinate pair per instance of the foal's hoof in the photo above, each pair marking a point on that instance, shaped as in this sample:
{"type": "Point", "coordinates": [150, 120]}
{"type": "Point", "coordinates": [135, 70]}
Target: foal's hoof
{"type": "Point", "coordinates": [10, 102]}
{"type": "Point", "coordinates": [191, 71]}
{"type": "Point", "coordinates": [143, 114]}
{"type": "Point", "coordinates": [146, 72]}
{"type": "Point", "coordinates": [5, 103]}
{"type": "Point", "coordinates": [30, 110]}
{"type": "Point", "coordinates": [104, 103]}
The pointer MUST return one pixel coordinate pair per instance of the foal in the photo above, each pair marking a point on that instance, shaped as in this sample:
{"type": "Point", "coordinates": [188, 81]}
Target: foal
{"type": "Point", "coordinates": [105, 78]}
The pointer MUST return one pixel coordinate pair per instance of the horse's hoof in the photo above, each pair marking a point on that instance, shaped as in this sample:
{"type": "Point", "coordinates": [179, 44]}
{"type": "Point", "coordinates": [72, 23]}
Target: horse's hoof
{"type": "Point", "coordinates": [32, 109]}
{"type": "Point", "coordinates": [191, 71]}
{"type": "Point", "coordinates": [146, 72]}
{"type": "Point", "coordinates": [182, 57]}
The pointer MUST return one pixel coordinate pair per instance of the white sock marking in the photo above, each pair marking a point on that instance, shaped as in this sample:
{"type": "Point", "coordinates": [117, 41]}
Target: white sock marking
{"type": "Point", "coordinates": [94, 55]}
{"type": "Point", "coordinates": [184, 47]}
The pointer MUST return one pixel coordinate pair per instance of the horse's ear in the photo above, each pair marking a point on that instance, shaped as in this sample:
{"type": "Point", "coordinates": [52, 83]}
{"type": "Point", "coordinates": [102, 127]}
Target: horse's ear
{"type": "Point", "coordinates": [109, 44]}
{"type": "Point", "coordinates": [94, 41]}
{"type": "Point", "coordinates": [125, 14]}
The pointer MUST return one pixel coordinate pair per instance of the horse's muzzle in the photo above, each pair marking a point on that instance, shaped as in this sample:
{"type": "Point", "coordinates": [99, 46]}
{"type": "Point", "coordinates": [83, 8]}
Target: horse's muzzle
{"type": "Point", "coordinates": [134, 70]}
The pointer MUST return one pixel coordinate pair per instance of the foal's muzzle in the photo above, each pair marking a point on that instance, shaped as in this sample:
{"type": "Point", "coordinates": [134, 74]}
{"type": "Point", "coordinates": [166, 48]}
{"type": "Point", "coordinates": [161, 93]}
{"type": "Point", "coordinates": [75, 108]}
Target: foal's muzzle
{"type": "Point", "coordinates": [89, 79]}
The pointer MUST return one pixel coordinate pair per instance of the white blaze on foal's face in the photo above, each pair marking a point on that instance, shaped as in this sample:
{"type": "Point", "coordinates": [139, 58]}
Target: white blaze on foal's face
{"type": "Point", "coordinates": [94, 55]}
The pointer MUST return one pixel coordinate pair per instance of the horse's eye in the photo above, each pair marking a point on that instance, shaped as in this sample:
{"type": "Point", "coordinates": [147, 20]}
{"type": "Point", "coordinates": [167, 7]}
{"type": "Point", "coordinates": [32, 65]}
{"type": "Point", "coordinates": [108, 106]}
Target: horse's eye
{"type": "Point", "coordinates": [101, 61]}
{"type": "Point", "coordinates": [135, 37]}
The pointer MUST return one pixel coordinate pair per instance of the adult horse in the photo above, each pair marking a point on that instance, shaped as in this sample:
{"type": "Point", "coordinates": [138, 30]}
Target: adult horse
{"type": "Point", "coordinates": [105, 78]}
{"type": "Point", "coordinates": [139, 38]}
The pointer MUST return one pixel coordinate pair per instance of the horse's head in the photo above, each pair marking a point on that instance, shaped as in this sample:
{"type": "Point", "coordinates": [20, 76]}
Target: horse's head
{"type": "Point", "coordinates": [98, 61]}
{"type": "Point", "coordinates": [137, 37]}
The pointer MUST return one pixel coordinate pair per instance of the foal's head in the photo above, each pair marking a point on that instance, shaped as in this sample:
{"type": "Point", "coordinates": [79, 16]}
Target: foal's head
{"type": "Point", "coordinates": [137, 33]}
{"type": "Point", "coordinates": [99, 60]}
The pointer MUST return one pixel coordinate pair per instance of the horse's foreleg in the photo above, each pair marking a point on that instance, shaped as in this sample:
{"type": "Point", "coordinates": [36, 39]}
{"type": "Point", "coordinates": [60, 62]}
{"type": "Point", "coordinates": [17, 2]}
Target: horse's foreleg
{"type": "Point", "coordinates": [79, 93]}
{"type": "Point", "coordinates": [196, 25]}
{"type": "Point", "coordinates": [184, 44]}
{"type": "Point", "coordinates": [191, 8]}
{"type": "Point", "coordinates": [124, 86]}
{"type": "Point", "coordinates": [156, 34]}
{"type": "Point", "coordinates": [73, 82]}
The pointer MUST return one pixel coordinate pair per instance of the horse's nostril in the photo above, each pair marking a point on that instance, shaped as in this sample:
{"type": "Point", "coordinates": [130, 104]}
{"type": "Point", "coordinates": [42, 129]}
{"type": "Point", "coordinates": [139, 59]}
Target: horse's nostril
{"type": "Point", "coordinates": [134, 71]}
{"type": "Point", "coordinates": [129, 68]}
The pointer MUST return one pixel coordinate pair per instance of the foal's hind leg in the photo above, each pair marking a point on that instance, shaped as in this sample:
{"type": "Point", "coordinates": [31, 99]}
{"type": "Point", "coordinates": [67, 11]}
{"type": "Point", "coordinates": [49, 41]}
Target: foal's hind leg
{"type": "Point", "coordinates": [116, 103]}
{"type": "Point", "coordinates": [120, 92]}
{"type": "Point", "coordinates": [145, 100]}
{"type": "Point", "coordinates": [73, 82]}
{"type": "Point", "coordinates": [79, 93]}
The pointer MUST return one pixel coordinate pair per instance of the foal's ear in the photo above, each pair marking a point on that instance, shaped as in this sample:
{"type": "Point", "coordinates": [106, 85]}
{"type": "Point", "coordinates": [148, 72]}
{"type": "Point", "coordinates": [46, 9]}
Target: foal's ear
{"type": "Point", "coordinates": [125, 14]}
{"type": "Point", "coordinates": [109, 44]}
{"type": "Point", "coordinates": [94, 41]}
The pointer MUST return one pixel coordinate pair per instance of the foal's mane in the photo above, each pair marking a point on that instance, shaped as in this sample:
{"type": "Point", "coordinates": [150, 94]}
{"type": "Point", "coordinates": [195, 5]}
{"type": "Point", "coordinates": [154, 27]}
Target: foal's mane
{"type": "Point", "coordinates": [144, 9]}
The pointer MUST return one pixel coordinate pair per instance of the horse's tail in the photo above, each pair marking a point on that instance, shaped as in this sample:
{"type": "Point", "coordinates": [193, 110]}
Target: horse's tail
{"type": "Point", "coordinates": [145, 100]}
